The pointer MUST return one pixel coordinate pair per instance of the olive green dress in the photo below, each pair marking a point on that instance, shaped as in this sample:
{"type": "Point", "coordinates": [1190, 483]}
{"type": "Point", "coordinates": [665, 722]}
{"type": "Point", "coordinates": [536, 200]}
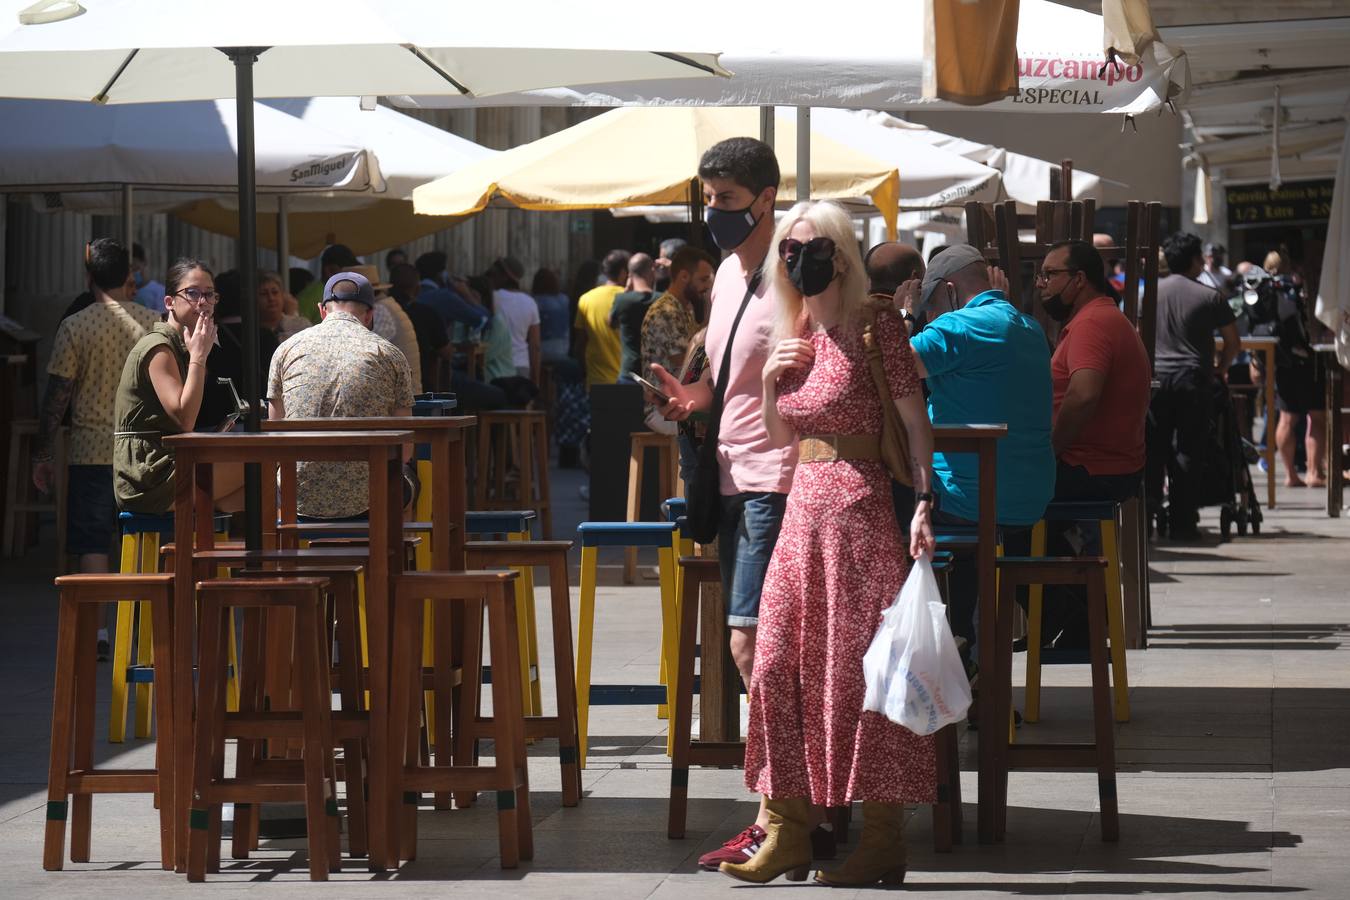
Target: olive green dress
{"type": "Point", "coordinates": [142, 465]}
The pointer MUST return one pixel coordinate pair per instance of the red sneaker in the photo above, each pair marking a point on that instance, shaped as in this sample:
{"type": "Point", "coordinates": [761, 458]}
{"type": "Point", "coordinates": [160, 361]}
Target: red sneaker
{"type": "Point", "coordinates": [737, 850]}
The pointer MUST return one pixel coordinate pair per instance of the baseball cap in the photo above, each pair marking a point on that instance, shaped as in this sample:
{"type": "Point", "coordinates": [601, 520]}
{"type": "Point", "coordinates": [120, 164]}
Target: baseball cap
{"type": "Point", "coordinates": [943, 266]}
{"type": "Point", "coordinates": [363, 293]}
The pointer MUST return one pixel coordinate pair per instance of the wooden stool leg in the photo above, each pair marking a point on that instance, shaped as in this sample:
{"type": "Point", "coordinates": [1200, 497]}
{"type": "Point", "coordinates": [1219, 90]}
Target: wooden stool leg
{"type": "Point", "coordinates": [505, 700]}
{"type": "Point", "coordinates": [63, 722]}
{"type": "Point", "coordinates": [516, 741]}
{"type": "Point", "coordinates": [681, 723]}
{"type": "Point", "coordinates": [635, 465]}
{"type": "Point", "coordinates": [1115, 619]}
{"type": "Point", "coordinates": [439, 624]}
{"type": "Point", "coordinates": [247, 750]}
{"type": "Point", "coordinates": [471, 691]}
{"type": "Point", "coordinates": [145, 656]}
{"type": "Point", "coordinates": [210, 694]}
{"type": "Point", "coordinates": [670, 635]}
{"type": "Point", "coordinates": [999, 691]}
{"type": "Point", "coordinates": [942, 809]}
{"type": "Point", "coordinates": [353, 751]}
{"type": "Point", "coordinates": [564, 675]}
{"type": "Point", "coordinates": [541, 455]}
{"type": "Point", "coordinates": [501, 460]}
{"type": "Point", "coordinates": [586, 634]}
{"type": "Point", "coordinates": [1035, 608]}
{"type": "Point", "coordinates": [86, 667]}
{"type": "Point", "coordinates": [480, 483]}
{"type": "Point", "coordinates": [405, 694]}
{"type": "Point", "coordinates": [1103, 726]}
{"type": "Point", "coordinates": [317, 744]}
{"type": "Point", "coordinates": [161, 611]}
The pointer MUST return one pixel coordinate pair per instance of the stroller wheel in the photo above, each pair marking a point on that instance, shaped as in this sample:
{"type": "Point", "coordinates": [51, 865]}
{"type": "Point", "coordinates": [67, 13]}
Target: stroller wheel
{"type": "Point", "coordinates": [1241, 522]}
{"type": "Point", "coordinates": [1256, 526]}
{"type": "Point", "coordinates": [1225, 525]}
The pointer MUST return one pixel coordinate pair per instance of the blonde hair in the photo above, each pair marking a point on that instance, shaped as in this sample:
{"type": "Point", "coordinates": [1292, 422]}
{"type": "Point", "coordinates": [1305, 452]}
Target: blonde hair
{"type": "Point", "coordinates": [1275, 262]}
{"type": "Point", "coordinates": [831, 221]}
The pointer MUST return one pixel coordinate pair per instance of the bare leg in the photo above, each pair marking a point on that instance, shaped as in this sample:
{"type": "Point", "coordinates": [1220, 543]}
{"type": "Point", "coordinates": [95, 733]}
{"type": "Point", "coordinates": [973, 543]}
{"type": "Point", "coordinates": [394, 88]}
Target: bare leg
{"type": "Point", "coordinates": [1284, 443]}
{"type": "Point", "coordinates": [228, 485]}
{"type": "Point", "coordinates": [1317, 449]}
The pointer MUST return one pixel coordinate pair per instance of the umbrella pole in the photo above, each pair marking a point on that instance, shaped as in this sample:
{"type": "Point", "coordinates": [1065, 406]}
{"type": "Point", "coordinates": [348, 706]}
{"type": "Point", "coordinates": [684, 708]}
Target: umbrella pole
{"type": "Point", "coordinates": [243, 59]}
{"type": "Point", "coordinates": [128, 224]}
{"type": "Point", "coordinates": [803, 153]}
{"type": "Point", "coordinates": [283, 242]}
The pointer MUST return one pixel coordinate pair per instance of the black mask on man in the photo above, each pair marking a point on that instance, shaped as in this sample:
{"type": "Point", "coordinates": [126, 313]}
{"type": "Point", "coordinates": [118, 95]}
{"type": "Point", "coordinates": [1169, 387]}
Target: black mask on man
{"type": "Point", "coordinates": [730, 227]}
{"type": "Point", "coordinates": [1057, 308]}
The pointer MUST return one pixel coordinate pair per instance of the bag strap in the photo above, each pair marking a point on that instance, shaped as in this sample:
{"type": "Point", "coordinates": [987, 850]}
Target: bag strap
{"type": "Point", "coordinates": [724, 370]}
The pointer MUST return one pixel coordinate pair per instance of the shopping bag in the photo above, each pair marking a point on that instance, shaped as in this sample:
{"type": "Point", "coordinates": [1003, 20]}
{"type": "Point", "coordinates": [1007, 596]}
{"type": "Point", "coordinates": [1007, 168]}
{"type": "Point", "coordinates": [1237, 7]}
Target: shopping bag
{"type": "Point", "coordinates": [913, 669]}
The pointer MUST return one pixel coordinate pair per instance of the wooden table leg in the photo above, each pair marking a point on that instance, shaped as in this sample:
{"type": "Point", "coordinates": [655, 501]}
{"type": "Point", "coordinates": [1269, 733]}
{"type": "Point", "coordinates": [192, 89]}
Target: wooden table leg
{"type": "Point", "coordinates": [386, 750]}
{"type": "Point", "coordinates": [992, 716]}
{"type": "Point", "coordinates": [192, 518]}
{"type": "Point", "coordinates": [1334, 439]}
{"type": "Point", "coordinates": [1269, 353]}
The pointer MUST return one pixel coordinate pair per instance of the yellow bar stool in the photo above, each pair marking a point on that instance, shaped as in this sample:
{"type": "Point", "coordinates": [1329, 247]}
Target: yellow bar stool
{"type": "Point", "coordinates": [595, 535]}
{"type": "Point", "coordinates": [1106, 513]}
{"type": "Point", "coordinates": [141, 535]}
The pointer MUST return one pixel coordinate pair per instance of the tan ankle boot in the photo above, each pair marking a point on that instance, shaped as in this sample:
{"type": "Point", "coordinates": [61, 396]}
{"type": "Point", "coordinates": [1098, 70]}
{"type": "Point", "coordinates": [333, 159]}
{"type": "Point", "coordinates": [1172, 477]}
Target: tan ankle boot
{"type": "Point", "coordinates": [786, 848]}
{"type": "Point", "coordinates": [880, 855]}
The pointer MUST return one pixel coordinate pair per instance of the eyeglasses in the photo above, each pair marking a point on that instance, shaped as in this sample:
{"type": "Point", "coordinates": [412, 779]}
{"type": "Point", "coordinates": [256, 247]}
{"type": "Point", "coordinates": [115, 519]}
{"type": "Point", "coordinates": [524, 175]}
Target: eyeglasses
{"type": "Point", "coordinates": [196, 295]}
{"type": "Point", "coordinates": [1044, 275]}
{"type": "Point", "coordinates": [816, 248]}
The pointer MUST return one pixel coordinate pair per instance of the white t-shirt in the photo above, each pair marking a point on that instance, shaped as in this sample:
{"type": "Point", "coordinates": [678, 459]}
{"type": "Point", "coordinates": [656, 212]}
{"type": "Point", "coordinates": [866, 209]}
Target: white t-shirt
{"type": "Point", "coordinates": [518, 311]}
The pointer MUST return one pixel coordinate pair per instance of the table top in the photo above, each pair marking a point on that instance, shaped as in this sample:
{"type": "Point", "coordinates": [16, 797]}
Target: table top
{"type": "Point", "coordinates": [246, 440]}
{"type": "Point", "coordinates": [405, 423]}
{"type": "Point", "coordinates": [970, 431]}
{"type": "Point", "coordinates": [1251, 340]}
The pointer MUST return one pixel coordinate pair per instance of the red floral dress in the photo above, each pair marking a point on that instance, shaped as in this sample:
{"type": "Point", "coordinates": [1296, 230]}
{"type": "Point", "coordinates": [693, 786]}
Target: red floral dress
{"type": "Point", "coordinates": [838, 563]}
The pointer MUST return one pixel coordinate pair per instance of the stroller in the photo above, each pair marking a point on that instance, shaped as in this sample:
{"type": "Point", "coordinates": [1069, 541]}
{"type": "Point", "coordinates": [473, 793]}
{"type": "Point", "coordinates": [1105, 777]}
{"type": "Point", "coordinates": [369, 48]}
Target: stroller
{"type": "Point", "coordinates": [1227, 479]}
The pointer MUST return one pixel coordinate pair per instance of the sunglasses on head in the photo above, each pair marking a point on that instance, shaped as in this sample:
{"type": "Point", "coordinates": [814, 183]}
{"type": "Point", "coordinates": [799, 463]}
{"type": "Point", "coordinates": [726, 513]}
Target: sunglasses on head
{"type": "Point", "coordinates": [816, 248]}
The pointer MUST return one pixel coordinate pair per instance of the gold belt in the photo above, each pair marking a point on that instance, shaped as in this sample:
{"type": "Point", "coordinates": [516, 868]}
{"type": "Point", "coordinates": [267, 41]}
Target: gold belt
{"type": "Point", "coordinates": [833, 447]}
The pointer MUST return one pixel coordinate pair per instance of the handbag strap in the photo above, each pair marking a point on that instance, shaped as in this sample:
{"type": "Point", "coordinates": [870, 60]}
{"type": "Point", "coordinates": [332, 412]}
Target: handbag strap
{"type": "Point", "coordinates": [724, 370]}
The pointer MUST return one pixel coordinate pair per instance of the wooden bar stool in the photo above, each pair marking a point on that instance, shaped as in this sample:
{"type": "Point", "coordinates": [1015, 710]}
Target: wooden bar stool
{"type": "Point", "coordinates": [312, 724]}
{"type": "Point", "coordinates": [141, 535]}
{"type": "Point", "coordinates": [595, 535]}
{"type": "Point", "coordinates": [1106, 515]}
{"type": "Point", "coordinates": [668, 481]}
{"type": "Point", "coordinates": [509, 776]}
{"type": "Point", "coordinates": [71, 772]}
{"type": "Point", "coordinates": [515, 525]}
{"type": "Point", "coordinates": [524, 435]}
{"type": "Point", "coordinates": [1090, 572]}
{"type": "Point", "coordinates": [351, 725]}
{"type": "Point", "coordinates": [523, 556]}
{"type": "Point", "coordinates": [21, 498]}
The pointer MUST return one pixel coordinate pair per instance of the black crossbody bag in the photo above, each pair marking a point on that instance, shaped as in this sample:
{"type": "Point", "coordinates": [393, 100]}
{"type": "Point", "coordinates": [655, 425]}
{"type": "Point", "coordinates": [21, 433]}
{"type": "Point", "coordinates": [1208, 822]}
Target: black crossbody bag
{"type": "Point", "coordinates": [703, 490]}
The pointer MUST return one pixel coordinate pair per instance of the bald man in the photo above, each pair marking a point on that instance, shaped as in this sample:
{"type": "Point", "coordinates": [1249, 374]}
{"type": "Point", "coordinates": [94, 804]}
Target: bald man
{"type": "Point", "coordinates": [890, 265]}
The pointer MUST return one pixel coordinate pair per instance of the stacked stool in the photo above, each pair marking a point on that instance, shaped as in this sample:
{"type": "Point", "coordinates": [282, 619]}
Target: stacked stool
{"type": "Point", "coordinates": [524, 434]}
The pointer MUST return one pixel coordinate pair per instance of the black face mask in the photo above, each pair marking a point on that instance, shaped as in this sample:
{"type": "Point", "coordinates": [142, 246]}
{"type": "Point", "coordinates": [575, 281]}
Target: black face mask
{"type": "Point", "coordinates": [1057, 308]}
{"type": "Point", "coordinates": [730, 227]}
{"type": "Point", "coordinates": [809, 275]}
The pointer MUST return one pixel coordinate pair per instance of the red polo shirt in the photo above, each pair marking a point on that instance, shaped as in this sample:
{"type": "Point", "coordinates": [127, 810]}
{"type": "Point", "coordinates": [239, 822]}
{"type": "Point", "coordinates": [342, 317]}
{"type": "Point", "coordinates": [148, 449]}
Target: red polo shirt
{"type": "Point", "coordinates": [1099, 337]}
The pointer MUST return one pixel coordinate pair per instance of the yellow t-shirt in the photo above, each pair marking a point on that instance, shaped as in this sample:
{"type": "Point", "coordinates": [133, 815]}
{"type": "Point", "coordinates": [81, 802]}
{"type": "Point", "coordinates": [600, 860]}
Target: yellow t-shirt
{"type": "Point", "coordinates": [603, 349]}
{"type": "Point", "coordinates": [91, 348]}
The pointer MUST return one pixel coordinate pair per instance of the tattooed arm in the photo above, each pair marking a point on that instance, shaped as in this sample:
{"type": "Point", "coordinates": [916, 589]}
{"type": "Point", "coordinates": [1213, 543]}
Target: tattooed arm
{"type": "Point", "coordinates": [55, 402]}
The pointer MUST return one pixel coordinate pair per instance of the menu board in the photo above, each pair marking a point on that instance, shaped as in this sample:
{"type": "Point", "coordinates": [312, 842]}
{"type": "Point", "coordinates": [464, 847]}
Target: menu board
{"type": "Point", "coordinates": [1251, 205]}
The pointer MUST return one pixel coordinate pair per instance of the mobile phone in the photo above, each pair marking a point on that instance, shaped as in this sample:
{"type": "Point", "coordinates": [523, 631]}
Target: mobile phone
{"type": "Point", "coordinates": [660, 394]}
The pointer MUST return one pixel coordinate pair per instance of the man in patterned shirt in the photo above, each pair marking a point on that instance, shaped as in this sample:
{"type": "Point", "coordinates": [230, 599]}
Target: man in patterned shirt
{"type": "Point", "coordinates": [340, 368]}
{"type": "Point", "coordinates": [673, 318]}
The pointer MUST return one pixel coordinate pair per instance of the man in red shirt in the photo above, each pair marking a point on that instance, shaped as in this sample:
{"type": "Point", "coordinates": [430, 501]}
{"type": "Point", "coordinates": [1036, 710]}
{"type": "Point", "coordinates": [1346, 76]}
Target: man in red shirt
{"type": "Point", "coordinates": [1101, 378]}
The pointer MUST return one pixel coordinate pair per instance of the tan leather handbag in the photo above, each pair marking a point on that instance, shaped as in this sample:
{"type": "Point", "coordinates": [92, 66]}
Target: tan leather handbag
{"type": "Point", "coordinates": [894, 438]}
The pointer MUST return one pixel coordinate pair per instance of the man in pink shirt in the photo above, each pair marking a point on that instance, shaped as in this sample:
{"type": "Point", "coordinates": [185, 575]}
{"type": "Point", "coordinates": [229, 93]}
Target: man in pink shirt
{"type": "Point", "coordinates": [740, 183]}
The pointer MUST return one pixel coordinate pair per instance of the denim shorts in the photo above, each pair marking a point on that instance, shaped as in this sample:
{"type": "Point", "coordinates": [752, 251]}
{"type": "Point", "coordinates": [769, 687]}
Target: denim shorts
{"type": "Point", "coordinates": [91, 510]}
{"type": "Point", "coordinates": [745, 541]}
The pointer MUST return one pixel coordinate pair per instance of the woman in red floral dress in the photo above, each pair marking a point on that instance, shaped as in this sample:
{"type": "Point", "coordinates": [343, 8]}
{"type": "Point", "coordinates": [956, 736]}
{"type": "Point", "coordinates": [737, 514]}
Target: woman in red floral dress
{"type": "Point", "coordinates": [838, 563]}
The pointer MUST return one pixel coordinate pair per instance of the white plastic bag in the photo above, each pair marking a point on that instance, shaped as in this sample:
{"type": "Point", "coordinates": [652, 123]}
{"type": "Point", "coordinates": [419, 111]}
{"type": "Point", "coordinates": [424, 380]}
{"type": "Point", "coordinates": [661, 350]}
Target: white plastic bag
{"type": "Point", "coordinates": [913, 669]}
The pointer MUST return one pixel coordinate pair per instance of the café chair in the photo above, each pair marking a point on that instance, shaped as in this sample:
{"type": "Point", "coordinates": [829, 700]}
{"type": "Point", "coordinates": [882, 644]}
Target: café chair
{"type": "Point", "coordinates": [668, 481]}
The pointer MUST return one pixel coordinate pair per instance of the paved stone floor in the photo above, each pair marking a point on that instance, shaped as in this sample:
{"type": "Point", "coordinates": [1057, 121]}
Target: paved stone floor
{"type": "Point", "coordinates": [1234, 769]}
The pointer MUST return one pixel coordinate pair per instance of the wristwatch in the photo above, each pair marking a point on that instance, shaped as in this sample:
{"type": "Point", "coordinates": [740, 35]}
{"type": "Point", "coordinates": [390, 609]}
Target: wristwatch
{"type": "Point", "coordinates": [923, 496]}
{"type": "Point", "coordinates": [906, 316]}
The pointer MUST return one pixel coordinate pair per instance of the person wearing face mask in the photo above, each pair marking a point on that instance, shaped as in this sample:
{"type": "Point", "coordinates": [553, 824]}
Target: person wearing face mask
{"type": "Point", "coordinates": [1102, 381]}
{"type": "Point", "coordinates": [983, 361]}
{"type": "Point", "coordinates": [149, 292]}
{"type": "Point", "coordinates": [740, 183]}
{"type": "Point", "coordinates": [838, 563]}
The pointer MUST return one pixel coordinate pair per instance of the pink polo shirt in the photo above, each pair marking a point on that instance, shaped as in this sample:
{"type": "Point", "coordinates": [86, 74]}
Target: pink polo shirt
{"type": "Point", "coordinates": [748, 459]}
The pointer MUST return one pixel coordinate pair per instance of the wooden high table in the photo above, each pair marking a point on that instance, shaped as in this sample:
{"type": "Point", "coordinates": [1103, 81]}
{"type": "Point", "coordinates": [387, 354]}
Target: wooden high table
{"type": "Point", "coordinates": [195, 454]}
{"type": "Point", "coordinates": [445, 435]}
{"type": "Point", "coordinates": [982, 441]}
{"type": "Point", "coordinates": [1334, 435]}
{"type": "Point", "coordinates": [1266, 347]}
